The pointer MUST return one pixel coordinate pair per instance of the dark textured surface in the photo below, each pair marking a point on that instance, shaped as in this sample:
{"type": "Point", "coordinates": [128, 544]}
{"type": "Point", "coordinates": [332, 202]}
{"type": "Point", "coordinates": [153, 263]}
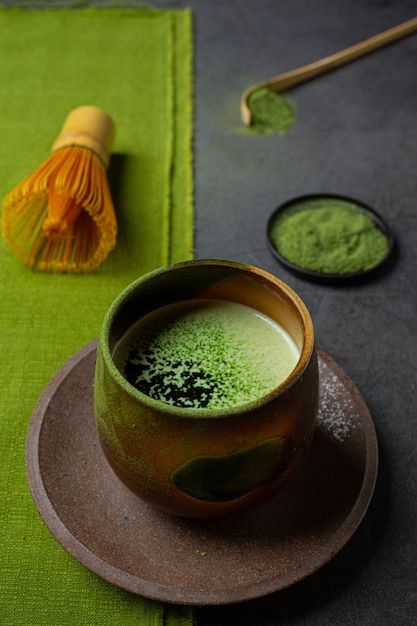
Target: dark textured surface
{"type": "Point", "coordinates": [356, 134]}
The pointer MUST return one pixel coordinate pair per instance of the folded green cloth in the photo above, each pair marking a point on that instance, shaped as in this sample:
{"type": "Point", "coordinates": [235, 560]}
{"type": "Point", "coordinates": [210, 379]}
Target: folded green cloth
{"type": "Point", "coordinates": [136, 65]}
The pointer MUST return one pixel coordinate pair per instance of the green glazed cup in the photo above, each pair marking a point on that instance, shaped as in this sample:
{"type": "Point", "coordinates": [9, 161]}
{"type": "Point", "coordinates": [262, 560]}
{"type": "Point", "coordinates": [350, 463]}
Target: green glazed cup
{"type": "Point", "coordinates": [202, 463]}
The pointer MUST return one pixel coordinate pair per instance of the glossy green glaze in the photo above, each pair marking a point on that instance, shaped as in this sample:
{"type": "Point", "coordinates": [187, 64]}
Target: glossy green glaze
{"type": "Point", "coordinates": [219, 478]}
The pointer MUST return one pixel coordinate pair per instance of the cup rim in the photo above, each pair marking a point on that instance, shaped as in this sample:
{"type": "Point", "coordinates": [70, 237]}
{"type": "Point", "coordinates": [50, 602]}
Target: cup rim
{"type": "Point", "coordinates": [209, 413]}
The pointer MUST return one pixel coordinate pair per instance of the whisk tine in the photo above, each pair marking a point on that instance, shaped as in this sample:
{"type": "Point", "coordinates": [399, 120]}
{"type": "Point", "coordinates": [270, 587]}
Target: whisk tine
{"type": "Point", "coordinates": [61, 217]}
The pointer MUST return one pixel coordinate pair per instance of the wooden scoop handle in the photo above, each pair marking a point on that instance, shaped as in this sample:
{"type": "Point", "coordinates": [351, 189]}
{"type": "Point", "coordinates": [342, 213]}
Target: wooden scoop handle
{"type": "Point", "coordinates": [306, 72]}
{"type": "Point", "coordinates": [289, 79]}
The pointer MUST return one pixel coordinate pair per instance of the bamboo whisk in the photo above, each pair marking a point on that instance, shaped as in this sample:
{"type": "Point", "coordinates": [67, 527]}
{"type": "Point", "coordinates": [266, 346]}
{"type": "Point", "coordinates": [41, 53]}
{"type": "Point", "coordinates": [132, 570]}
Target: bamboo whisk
{"type": "Point", "coordinates": [61, 217]}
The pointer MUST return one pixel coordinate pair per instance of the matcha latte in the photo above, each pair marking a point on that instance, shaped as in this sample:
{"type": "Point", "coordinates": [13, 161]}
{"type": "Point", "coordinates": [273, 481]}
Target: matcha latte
{"type": "Point", "coordinates": [206, 354]}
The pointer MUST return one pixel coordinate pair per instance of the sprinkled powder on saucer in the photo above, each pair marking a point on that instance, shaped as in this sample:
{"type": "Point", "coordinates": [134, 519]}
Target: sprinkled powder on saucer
{"type": "Point", "coordinates": [335, 410]}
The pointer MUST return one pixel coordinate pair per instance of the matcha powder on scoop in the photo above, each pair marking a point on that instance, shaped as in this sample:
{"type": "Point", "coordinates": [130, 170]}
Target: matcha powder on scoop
{"type": "Point", "coordinates": [271, 112]}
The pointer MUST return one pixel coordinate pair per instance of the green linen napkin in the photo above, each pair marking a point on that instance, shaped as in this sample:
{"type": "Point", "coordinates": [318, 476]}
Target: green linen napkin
{"type": "Point", "coordinates": [136, 65]}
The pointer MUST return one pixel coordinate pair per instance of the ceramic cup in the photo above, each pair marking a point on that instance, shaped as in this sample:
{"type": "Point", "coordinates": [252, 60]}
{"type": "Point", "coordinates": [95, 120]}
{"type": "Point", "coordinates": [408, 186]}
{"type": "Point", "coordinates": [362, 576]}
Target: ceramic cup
{"type": "Point", "coordinates": [206, 462]}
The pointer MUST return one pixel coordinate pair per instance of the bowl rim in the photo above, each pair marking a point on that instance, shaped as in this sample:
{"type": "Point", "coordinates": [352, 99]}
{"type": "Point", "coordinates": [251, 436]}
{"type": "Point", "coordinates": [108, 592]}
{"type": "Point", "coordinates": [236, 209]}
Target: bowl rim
{"type": "Point", "coordinates": [306, 353]}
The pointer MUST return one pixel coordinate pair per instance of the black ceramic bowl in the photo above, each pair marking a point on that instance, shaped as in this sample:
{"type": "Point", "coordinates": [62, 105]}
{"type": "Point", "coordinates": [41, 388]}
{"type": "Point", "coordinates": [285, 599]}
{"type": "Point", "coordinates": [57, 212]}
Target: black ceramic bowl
{"type": "Point", "coordinates": [327, 277]}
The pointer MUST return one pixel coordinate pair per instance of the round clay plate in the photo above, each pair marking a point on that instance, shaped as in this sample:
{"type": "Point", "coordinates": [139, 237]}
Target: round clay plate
{"type": "Point", "coordinates": [323, 277]}
{"type": "Point", "coordinates": [131, 545]}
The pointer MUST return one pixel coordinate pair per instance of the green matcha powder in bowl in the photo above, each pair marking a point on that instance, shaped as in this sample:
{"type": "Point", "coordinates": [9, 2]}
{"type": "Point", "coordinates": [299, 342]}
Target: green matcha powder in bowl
{"type": "Point", "coordinates": [329, 238]}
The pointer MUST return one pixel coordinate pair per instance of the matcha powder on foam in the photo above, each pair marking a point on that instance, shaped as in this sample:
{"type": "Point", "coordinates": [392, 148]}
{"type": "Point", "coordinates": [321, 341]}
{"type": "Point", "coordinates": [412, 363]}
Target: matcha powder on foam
{"type": "Point", "coordinates": [328, 235]}
{"type": "Point", "coordinates": [206, 354]}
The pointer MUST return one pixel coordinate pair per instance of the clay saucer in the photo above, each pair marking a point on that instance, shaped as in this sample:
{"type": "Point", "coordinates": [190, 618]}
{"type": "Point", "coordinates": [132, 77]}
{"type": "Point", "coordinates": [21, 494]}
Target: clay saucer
{"type": "Point", "coordinates": [131, 545]}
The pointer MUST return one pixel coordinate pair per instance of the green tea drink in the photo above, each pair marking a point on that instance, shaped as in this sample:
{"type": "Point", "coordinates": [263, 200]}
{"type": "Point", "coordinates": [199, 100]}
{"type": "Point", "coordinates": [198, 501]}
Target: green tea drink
{"type": "Point", "coordinates": [206, 354]}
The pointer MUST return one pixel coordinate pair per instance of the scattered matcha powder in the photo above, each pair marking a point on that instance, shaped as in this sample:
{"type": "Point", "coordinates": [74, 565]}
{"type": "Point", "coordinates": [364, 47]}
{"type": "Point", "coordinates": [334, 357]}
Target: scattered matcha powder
{"type": "Point", "coordinates": [328, 235]}
{"type": "Point", "coordinates": [337, 415]}
{"type": "Point", "coordinates": [169, 362]}
{"type": "Point", "coordinates": [271, 112]}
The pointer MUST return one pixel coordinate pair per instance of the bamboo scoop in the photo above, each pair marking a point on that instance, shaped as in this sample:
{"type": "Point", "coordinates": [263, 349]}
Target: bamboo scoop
{"type": "Point", "coordinates": [295, 77]}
